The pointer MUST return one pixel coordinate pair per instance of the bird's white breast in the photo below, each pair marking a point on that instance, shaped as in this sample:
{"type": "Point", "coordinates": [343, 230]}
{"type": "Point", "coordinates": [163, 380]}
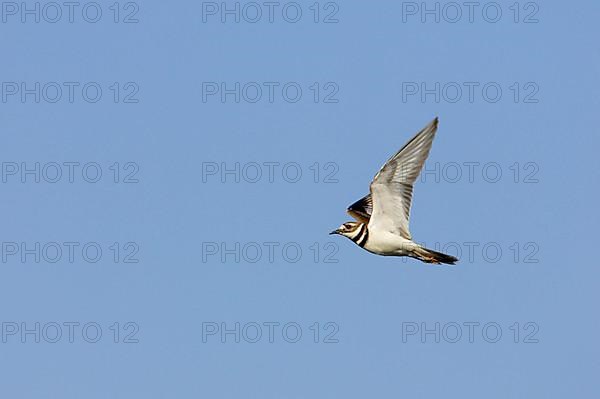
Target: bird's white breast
{"type": "Point", "coordinates": [387, 243]}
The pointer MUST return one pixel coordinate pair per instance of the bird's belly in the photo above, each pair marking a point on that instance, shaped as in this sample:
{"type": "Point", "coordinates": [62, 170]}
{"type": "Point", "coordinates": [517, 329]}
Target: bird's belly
{"type": "Point", "coordinates": [384, 243]}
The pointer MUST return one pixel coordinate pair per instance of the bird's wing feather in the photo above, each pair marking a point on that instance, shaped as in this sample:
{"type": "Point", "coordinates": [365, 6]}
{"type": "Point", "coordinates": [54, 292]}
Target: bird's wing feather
{"type": "Point", "coordinates": [391, 189]}
{"type": "Point", "coordinates": [362, 209]}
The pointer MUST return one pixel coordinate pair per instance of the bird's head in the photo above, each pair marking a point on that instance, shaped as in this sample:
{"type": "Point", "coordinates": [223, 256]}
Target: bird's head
{"type": "Point", "coordinates": [348, 229]}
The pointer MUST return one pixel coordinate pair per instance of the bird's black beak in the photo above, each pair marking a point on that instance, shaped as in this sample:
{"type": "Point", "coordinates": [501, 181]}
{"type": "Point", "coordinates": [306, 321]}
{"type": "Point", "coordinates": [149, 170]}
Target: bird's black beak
{"type": "Point", "coordinates": [336, 231]}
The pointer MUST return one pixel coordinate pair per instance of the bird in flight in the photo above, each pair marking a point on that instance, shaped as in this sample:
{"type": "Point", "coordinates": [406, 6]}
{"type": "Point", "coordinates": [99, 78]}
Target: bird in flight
{"type": "Point", "coordinates": [382, 216]}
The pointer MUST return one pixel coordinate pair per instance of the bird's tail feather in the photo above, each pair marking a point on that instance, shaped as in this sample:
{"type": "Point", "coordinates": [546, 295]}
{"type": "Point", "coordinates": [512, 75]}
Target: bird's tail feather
{"type": "Point", "coordinates": [430, 256]}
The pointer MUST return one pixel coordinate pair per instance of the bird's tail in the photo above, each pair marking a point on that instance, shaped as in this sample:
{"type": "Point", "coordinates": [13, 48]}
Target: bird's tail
{"type": "Point", "coordinates": [430, 256]}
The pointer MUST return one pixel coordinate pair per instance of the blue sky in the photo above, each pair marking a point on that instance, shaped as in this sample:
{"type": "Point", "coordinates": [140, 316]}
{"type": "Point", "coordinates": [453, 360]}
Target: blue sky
{"type": "Point", "coordinates": [169, 180]}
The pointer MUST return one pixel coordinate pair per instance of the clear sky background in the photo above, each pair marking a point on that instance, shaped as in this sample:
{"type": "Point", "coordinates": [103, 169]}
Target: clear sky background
{"type": "Point", "coordinates": [170, 213]}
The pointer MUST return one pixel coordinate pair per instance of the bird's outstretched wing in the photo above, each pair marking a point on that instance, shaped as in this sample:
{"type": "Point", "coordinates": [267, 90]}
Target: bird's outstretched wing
{"type": "Point", "coordinates": [362, 209]}
{"type": "Point", "coordinates": [391, 189]}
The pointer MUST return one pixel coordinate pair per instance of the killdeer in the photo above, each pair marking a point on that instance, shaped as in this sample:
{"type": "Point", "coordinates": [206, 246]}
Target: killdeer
{"type": "Point", "coordinates": [382, 216]}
